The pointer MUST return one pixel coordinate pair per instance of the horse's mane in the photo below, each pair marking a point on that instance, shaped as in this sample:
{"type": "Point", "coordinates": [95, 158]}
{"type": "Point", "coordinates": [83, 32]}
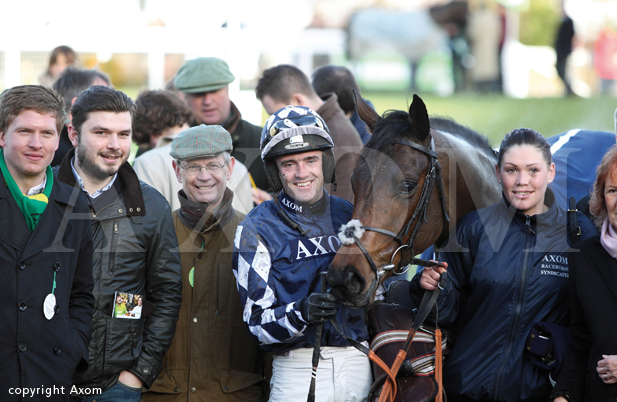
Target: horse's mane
{"type": "Point", "coordinates": [396, 123]}
{"type": "Point", "coordinates": [447, 125]}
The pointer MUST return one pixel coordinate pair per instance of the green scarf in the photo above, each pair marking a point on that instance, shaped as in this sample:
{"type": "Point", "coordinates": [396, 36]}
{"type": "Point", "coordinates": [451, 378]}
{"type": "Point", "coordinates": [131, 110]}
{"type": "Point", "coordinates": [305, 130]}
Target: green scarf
{"type": "Point", "coordinates": [32, 206]}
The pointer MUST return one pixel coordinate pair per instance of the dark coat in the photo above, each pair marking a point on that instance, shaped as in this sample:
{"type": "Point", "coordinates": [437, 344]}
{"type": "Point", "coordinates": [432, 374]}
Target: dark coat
{"type": "Point", "coordinates": [593, 293]}
{"type": "Point", "coordinates": [135, 251]}
{"type": "Point", "coordinates": [506, 271]}
{"type": "Point", "coordinates": [37, 352]}
{"type": "Point", "coordinates": [347, 144]}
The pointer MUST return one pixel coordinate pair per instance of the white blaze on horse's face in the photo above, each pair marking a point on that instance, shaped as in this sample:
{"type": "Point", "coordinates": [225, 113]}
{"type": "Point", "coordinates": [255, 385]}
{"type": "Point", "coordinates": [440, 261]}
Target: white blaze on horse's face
{"type": "Point", "coordinates": [524, 176]}
{"type": "Point", "coordinates": [302, 176]}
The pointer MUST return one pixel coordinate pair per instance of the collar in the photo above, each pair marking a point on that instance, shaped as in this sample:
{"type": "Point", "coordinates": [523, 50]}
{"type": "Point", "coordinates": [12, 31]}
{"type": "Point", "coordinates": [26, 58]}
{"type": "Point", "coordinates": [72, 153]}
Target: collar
{"type": "Point", "coordinates": [330, 106]}
{"type": "Point", "coordinates": [291, 206]}
{"type": "Point", "coordinates": [538, 219]}
{"type": "Point", "coordinates": [232, 122]}
{"type": "Point", "coordinates": [80, 181]}
{"type": "Point", "coordinates": [38, 189]}
{"type": "Point", "coordinates": [195, 215]}
{"type": "Point", "coordinates": [131, 187]}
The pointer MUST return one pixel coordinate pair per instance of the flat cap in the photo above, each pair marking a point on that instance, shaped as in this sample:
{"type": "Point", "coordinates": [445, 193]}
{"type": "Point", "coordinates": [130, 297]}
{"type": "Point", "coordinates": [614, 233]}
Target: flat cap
{"type": "Point", "coordinates": [204, 74]}
{"type": "Point", "coordinates": [201, 142]}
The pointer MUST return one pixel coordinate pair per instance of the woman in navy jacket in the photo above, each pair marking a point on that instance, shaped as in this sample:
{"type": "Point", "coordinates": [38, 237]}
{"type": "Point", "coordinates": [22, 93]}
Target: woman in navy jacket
{"type": "Point", "coordinates": [507, 269]}
{"type": "Point", "coordinates": [590, 369]}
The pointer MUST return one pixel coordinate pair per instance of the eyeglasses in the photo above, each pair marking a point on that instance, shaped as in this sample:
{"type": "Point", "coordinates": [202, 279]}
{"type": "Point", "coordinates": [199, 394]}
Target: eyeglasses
{"type": "Point", "coordinates": [196, 169]}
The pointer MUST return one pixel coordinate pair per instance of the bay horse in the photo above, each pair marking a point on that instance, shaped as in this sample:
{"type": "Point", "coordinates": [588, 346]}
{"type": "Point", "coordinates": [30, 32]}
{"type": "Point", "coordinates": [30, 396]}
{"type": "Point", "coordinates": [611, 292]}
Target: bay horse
{"type": "Point", "coordinates": [397, 182]}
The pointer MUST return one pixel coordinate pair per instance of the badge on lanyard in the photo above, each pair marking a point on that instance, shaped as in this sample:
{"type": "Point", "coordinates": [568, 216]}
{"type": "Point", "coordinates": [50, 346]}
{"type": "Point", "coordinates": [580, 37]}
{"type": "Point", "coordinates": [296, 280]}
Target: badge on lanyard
{"type": "Point", "coordinates": [49, 305]}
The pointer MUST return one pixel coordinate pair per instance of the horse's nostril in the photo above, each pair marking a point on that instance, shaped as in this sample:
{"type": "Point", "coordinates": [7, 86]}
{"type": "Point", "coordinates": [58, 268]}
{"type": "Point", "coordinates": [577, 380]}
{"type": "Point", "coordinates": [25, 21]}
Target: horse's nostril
{"type": "Point", "coordinates": [354, 282]}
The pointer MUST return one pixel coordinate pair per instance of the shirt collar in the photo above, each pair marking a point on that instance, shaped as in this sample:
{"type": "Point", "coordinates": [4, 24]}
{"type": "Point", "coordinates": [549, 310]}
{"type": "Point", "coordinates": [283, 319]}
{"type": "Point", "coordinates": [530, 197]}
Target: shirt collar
{"type": "Point", "coordinates": [38, 189]}
{"type": "Point", "coordinates": [81, 182]}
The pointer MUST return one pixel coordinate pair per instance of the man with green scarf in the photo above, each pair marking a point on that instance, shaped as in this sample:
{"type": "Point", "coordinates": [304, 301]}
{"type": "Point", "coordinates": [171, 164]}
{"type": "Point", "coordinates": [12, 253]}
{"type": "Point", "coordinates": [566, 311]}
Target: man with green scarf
{"type": "Point", "coordinates": [45, 253]}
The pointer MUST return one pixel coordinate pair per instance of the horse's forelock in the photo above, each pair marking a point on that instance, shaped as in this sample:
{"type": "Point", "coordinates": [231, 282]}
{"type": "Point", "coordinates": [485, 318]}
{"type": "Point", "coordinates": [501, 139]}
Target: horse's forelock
{"type": "Point", "coordinates": [395, 123]}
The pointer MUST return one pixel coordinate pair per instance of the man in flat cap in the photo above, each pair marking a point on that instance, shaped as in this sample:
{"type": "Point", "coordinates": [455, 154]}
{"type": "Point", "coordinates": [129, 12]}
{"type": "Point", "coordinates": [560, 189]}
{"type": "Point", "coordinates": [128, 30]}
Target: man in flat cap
{"type": "Point", "coordinates": [205, 84]}
{"type": "Point", "coordinates": [212, 356]}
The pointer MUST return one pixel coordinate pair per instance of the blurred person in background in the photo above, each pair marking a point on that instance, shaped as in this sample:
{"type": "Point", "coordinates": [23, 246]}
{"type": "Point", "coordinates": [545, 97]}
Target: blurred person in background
{"type": "Point", "coordinates": [70, 83]}
{"type": "Point", "coordinates": [61, 57]}
{"type": "Point", "coordinates": [340, 80]}
{"type": "Point", "coordinates": [605, 60]}
{"type": "Point", "coordinates": [484, 32]}
{"type": "Point", "coordinates": [563, 48]}
{"type": "Point", "coordinates": [160, 117]}
{"type": "Point", "coordinates": [204, 83]}
{"type": "Point", "coordinates": [285, 85]}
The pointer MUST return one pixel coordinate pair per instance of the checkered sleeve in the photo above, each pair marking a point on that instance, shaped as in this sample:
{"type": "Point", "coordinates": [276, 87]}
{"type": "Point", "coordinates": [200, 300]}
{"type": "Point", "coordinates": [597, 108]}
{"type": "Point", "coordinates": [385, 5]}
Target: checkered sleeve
{"type": "Point", "coordinates": [267, 318]}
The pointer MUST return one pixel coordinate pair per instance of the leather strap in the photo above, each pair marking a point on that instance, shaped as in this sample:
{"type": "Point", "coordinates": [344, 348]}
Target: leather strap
{"type": "Point", "coordinates": [438, 365]}
{"type": "Point", "coordinates": [317, 347]}
{"type": "Point", "coordinates": [421, 148]}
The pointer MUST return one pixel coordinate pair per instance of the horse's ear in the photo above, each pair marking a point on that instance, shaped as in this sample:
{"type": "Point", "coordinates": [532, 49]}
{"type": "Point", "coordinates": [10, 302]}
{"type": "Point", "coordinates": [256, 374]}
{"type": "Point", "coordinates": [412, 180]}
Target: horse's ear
{"type": "Point", "coordinates": [366, 113]}
{"type": "Point", "coordinates": [419, 117]}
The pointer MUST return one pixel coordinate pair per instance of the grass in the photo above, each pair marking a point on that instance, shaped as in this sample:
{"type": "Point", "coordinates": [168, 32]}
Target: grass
{"type": "Point", "coordinates": [494, 116]}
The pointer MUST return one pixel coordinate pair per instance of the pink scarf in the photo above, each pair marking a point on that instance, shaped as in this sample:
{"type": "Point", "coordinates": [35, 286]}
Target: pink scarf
{"type": "Point", "coordinates": [608, 238]}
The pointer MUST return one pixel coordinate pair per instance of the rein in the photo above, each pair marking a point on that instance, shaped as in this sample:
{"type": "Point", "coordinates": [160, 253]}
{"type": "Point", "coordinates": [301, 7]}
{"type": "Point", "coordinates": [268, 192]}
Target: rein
{"type": "Point", "coordinates": [433, 175]}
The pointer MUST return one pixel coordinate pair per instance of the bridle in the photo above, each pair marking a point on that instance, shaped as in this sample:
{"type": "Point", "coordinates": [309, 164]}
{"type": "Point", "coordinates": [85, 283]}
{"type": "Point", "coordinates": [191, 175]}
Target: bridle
{"type": "Point", "coordinates": [433, 174]}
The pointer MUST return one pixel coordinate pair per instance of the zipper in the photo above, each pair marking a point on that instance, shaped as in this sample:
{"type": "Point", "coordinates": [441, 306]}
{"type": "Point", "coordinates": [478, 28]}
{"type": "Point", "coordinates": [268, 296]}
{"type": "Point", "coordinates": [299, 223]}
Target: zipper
{"type": "Point", "coordinates": [114, 244]}
{"type": "Point", "coordinates": [517, 310]}
{"type": "Point", "coordinates": [528, 224]}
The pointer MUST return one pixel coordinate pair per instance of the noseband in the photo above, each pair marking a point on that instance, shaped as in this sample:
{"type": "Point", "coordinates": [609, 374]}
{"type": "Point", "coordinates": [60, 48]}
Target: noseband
{"type": "Point", "coordinates": [354, 229]}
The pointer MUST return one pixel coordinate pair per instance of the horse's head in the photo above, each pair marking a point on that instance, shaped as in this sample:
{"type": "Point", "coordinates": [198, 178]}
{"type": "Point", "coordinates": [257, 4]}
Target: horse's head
{"type": "Point", "coordinates": [389, 191]}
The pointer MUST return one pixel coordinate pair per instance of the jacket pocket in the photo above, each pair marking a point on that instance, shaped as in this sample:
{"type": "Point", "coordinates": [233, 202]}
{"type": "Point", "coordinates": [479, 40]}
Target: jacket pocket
{"type": "Point", "coordinates": [123, 344]}
{"type": "Point", "coordinates": [168, 382]}
{"type": "Point", "coordinates": [247, 385]}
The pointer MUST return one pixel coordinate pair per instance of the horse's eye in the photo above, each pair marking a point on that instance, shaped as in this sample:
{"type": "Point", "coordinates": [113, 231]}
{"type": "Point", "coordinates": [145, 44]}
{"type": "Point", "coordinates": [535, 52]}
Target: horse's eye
{"type": "Point", "coordinates": [408, 187]}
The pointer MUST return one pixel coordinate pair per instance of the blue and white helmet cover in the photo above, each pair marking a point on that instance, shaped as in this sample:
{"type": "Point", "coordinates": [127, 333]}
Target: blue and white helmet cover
{"type": "Point", "coordinates": [293, 123]}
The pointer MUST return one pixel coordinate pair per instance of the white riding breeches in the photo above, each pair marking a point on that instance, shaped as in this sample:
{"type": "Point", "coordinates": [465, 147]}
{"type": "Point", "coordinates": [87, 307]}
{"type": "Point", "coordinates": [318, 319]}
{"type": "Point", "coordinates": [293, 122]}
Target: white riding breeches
{"type": "Point", "coordinates": [343, 375]}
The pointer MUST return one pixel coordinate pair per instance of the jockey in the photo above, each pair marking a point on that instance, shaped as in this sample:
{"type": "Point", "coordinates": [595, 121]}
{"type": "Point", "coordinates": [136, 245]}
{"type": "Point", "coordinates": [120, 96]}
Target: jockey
{"type": "Point", "coordinates": [281, 248]}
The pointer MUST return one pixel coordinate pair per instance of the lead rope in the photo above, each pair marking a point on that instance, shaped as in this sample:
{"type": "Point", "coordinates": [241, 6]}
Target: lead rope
{"type": "Point", "coordinates": [438, 358]}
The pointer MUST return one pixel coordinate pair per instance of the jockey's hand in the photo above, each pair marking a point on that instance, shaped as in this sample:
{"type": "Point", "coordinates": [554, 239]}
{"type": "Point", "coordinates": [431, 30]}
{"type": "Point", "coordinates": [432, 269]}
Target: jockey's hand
{"type": "Point", "coordinates": [430, 276]}
{"type": "Point", "coordinates": [318, 307]}
{"type": "Point", "coordinates": [607, 369]}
